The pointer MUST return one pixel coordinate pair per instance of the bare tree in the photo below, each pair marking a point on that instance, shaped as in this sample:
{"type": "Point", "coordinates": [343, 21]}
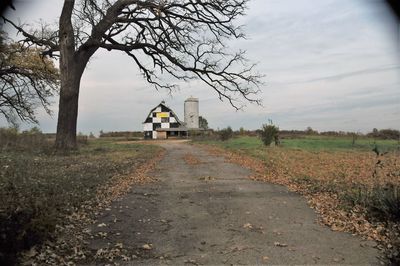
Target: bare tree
{"type": "Point", "coordinates": [26, 81]}
{"type": "Point", "coordinates": [184, 39]}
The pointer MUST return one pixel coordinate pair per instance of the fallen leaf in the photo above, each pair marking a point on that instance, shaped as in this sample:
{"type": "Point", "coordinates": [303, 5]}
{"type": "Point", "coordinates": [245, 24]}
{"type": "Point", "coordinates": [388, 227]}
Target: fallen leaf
{"type": "Point", "coordinates": [247, 226]}
{"type": "Point", "coordinates": [31, 253]}
{"type": "Point", "coordinates": [100, 252]}
{"type": "Point", "coordinates": [147, 246]}
{"type": "Point", "coordinates": [278, 244]}
{"type": "Point", "coordinates": [191, 261]}
{"type": "Point", "coordinates": [206, 178]}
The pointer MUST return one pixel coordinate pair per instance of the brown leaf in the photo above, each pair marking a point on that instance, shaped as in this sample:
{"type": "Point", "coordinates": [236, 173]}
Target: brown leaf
{"type": "Point", "coordinates": [247, 226]}
{"type": "Point", "coordinates": [278, 244]}
{"type": "Point", "coordinates": [147, 246]}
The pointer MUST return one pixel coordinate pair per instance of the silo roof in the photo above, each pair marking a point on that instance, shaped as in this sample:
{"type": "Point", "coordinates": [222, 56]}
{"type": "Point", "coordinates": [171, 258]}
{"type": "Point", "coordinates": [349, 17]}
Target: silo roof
{"type": "Point", "coordinates": [192, 99]}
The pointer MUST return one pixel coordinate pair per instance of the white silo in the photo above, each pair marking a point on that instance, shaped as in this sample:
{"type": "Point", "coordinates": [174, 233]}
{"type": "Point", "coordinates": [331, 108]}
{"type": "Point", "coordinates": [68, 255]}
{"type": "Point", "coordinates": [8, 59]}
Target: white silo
{"type": "Point", "coordinates": [192, 112]}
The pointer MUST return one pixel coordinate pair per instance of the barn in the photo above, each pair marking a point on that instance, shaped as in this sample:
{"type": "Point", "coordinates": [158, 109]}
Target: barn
{"type": "Point", "coordinates": [163, 123]}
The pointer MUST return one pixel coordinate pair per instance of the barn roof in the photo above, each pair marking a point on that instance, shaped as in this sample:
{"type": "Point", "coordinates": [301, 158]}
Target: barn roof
{"type": "Point", "coordinates": [169, 109]}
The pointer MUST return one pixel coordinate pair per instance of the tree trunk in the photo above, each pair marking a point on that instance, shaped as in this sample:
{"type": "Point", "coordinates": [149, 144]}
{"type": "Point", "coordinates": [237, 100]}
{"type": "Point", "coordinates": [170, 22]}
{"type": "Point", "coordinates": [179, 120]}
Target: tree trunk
{"type": "Point", "coordinates": [70, 80]}
{"type": "Point", "coordinates": [72, 65]}
{"type": "Point", "coordinates": [68, 110]}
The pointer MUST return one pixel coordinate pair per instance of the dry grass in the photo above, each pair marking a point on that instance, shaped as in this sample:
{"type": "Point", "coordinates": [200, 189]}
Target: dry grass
{"type": "Point", "coordinates": [40, 190]}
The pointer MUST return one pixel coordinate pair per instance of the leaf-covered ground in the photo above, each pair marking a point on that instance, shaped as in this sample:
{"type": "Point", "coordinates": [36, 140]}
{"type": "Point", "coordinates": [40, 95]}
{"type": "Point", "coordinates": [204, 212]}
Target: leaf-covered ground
{"type": "Point", "coordinates": [46, 198]}
{"type": "Point", "coordinates": [205, 211]}
{"type": "Point", "coordinates": [338, 183]}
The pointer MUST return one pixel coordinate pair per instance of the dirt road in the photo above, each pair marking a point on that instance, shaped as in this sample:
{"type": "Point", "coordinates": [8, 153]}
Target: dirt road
{"type": "Point", "coordinates": [204, 210]}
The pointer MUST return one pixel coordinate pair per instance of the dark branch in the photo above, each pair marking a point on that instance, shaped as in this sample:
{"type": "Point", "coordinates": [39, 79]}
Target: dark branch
{"type": "Point", "coordinates": [184, 39]}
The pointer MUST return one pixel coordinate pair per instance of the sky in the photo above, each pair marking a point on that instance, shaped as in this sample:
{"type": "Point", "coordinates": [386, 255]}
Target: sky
{"type": "Point", "coordinates": [329, 65]}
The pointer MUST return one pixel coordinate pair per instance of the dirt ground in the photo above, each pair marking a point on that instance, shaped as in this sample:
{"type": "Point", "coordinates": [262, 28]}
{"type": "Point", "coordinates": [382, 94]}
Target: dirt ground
{"type": "Point", "coordinates": [205, 211]}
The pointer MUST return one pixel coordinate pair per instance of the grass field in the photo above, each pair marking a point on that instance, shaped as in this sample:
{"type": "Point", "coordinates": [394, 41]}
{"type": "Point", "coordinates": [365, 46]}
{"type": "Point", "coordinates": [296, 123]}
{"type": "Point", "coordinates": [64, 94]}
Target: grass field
{"type": "Point", "coordinates": [344, 182]}
{"type": "Point", "coordinates": [38, 189]}
{"type": "Point", "coordinates": [313, 143]}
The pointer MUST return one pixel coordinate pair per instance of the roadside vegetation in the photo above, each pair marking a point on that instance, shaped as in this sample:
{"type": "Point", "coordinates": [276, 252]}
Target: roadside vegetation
{"type": "Point", "coordinates": [353, 182]}
{"type": "Point", "coordinates": [39, 188]}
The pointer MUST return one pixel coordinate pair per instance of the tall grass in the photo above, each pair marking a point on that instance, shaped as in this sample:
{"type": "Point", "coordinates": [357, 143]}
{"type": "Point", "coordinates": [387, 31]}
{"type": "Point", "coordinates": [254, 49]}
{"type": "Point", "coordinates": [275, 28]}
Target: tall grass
{"type": "Point", "coordinates": [32, 140]}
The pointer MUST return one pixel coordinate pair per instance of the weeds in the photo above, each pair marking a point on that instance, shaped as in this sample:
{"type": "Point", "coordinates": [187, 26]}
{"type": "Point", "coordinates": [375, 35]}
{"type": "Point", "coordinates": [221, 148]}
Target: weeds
{"type": "Point", "coordinates": [383, 203]}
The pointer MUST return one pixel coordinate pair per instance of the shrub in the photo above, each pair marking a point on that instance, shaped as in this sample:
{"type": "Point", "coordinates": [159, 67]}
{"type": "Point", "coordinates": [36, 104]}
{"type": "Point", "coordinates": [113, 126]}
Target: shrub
{"type": "Point", "coordinates": [226, 133]}
{"type": "Point", "coordinates": [269, 133]}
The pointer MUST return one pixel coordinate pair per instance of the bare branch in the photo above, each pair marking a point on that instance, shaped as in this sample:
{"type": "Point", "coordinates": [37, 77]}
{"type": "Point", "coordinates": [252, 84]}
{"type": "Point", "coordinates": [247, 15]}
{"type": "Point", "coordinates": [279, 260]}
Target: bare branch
{"type": "Point", "coordinates": [31, 38]}
{"type": "Point", "coordinates": [184, 39]}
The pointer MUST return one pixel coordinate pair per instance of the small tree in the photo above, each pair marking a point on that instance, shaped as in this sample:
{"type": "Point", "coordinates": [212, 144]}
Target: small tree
{"type": "Point", "coordinates": [203, 123]}
{"type": "Point", "coordinates": [269, 134]}
{"type": "Point", "coordinates": [310, 131]}
{"type": "Point", "coordinates": [226, 133]}
{"type": "Point", "coordinates": [354, 137]}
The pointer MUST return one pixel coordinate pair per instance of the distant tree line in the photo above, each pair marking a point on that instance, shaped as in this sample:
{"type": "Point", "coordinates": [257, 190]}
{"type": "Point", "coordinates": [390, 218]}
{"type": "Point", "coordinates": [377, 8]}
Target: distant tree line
{"type": "Point", "coordinates": [228, 132]}
{"type": "Point", "coordinates": [121, 134]}
{"type": "Point", "coordinates": [384, 134]}
{"type": "Point", "coordinates": [378, 134]}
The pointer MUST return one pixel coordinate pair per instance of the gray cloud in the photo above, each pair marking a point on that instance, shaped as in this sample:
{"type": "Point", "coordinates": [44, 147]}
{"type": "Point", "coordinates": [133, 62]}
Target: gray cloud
{"type": "Point", "coordinates": [330, 64]}
{"type": "Point", "coordinates": [354, 73]}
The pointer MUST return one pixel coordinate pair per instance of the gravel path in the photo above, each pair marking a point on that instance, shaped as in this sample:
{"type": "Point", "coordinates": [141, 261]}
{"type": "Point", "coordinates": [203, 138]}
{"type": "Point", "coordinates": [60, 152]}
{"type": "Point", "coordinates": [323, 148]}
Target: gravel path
{"type": "Point", "coordinates": [205, 211]}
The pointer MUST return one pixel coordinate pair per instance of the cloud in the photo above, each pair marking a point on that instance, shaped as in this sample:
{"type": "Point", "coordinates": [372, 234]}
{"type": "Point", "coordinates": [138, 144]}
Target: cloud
{"type": "Point", "coordinates": [332, 65]}
{"type": "Point", "coordinates": [354, 73]}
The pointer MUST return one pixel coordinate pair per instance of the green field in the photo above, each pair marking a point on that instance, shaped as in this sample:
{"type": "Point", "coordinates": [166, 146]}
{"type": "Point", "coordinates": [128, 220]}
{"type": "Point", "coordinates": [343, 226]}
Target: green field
{"type": "Point", "coordinates": [312, 143]}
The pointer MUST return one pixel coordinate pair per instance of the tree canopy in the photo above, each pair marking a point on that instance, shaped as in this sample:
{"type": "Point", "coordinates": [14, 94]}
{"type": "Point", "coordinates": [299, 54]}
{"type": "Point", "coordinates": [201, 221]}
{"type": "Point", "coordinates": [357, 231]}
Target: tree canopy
{"type": "Point", "coordinates": [27, 81]}
{"type": "Point", "coordinates": [203, 123]}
